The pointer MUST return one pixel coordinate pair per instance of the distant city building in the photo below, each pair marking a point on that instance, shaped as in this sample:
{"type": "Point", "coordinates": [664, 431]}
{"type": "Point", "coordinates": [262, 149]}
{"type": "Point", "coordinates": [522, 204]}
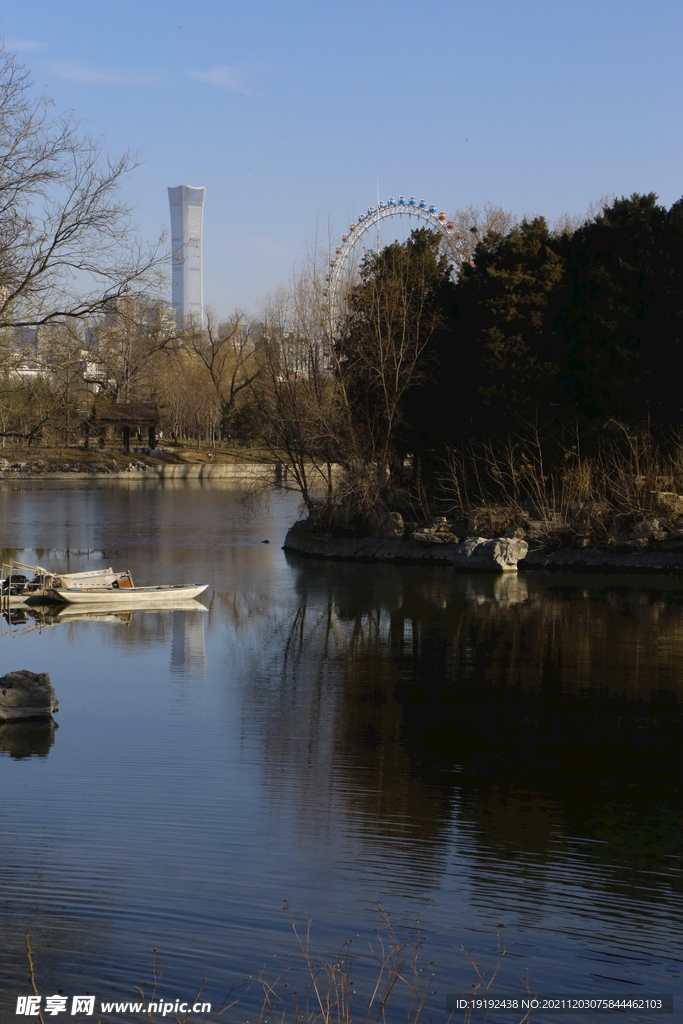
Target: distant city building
{"type": "Point", "coordinates": [124, 305]}
{"type": "Point", "coordinates": [26, 340]}
{"type": "Point", "coordinates": [132, 312]}
{"type": "Point", "coordinates": [187, 211]}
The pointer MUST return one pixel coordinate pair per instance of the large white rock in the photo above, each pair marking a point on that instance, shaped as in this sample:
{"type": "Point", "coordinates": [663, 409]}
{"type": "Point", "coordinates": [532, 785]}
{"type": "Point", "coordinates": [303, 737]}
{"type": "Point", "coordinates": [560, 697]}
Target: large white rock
{"type": "Point", "coordinates": [500, 553]}
{"type": "Point", "coordinates": [667, 503]}
{"type": "Point", "coordinates": [26, 694]}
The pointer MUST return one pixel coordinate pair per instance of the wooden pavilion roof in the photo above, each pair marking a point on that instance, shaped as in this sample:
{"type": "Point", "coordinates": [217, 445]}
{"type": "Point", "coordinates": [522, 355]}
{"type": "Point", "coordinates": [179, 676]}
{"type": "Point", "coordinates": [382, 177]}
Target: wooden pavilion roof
{"type": "Point", "coordinates": [127, 414]}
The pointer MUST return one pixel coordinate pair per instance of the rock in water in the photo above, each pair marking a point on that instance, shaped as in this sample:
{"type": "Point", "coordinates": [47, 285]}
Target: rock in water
{"type": "Point", "coordinates": [26, 694]}
{"type": "Point", "coordinates": [502, 553]}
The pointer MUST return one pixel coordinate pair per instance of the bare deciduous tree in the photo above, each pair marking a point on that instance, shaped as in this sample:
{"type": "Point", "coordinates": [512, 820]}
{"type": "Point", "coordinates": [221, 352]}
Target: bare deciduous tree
{"type": "Point", "coordinates": [42, 387]}
{"type": "Point", "coordinates": [226, 352]}
{"type": "Point", "coordinates": [334, 391]}
{"type": "Point", "coordinates": [134, 332]}
{"type": "Point", "coordinates": [297, 395]}
{"type": "Point", "coordinates": [472, 223]}
{"type": "Point", "coordinates": [380, 355]}
{"type": "Point", "coordinates": [65, 236]}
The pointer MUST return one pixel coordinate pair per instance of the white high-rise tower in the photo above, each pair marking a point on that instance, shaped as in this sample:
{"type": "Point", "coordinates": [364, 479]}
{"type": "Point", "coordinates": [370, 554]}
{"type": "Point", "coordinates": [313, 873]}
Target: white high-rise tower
{"type": "Point", "coordinates": [187, 212]}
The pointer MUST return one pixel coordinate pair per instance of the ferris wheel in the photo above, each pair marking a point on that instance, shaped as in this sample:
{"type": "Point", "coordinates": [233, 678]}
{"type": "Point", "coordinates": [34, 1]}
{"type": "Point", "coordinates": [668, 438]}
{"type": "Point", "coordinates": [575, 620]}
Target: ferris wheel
{"type": "Point", "coordinates": [437, 220]}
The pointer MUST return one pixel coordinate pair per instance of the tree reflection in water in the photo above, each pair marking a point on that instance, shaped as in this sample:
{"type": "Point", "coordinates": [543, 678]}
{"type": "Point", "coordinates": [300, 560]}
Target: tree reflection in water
{"type": "Point", "coordinates": [522, 710]}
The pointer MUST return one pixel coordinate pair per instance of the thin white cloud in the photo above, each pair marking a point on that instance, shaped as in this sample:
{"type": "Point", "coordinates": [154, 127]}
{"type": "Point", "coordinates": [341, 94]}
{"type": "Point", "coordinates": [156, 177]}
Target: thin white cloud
{"type": "Point", "coordinates": [24, 45]}
{"type": "Point", "coordinates": [103, 76]}
{"type": "Point", "coordinates": [226, 77]}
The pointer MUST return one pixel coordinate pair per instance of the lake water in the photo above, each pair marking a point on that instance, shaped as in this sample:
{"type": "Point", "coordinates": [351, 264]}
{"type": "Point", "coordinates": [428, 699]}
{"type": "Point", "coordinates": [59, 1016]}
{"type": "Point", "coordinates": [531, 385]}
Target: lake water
{"type": "Point", "coordinates": [498, 759]}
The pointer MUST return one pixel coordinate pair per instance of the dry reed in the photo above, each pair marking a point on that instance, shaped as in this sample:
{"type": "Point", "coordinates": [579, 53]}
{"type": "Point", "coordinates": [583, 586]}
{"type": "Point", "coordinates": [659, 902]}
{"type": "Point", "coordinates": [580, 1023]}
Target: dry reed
{"type": "Point", "coordinates": [599, 495]}
{"type": "Point", "coordinates": [398, 990]}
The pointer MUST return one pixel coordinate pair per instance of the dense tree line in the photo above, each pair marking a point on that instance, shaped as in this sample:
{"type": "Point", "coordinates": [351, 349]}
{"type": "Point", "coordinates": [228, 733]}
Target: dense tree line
{"type": "Point", "coordinates": [584, 324]}
{"type": "Point", "coordinates": [542, 329]}
{"type": "Point", "coordinates": [199, 379]}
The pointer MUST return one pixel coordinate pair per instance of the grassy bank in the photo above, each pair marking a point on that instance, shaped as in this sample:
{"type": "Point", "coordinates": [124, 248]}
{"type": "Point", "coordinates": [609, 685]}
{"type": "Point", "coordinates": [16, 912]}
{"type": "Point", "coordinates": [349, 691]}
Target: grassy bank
{"type": "Point", "coordinates": [115, 459]}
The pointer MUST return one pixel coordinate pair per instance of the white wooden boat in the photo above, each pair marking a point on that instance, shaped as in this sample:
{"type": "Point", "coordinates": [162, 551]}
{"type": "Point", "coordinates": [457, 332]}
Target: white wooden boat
{"type": "Point", "coordinates": [129, 596]}
{"type": "Point", "coordinates": [117, 589]}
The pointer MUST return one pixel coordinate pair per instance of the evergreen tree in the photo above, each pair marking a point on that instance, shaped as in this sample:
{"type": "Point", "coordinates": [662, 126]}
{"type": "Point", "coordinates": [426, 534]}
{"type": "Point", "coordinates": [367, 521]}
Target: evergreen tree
{"type": "Point", "coordinates": [623, 312]}
{"type": "Point", "coordinates": [510, 348]}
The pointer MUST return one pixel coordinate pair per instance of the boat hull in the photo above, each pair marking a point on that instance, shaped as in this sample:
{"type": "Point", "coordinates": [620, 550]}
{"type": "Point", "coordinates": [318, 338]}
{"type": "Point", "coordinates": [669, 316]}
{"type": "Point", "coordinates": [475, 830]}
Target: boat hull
{"type": "Point", "coordinates": [129, 597]}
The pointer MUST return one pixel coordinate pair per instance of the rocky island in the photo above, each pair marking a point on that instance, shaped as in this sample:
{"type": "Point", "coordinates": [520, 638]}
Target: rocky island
{"type": "Point", "coordinates": [391, 540]}
{"type": "Point", "coordinates": [596, 540]}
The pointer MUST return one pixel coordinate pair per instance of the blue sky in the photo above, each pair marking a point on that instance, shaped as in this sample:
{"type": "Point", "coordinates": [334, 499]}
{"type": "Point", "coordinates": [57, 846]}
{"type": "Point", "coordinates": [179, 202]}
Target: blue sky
{"type": "Point", "coordinates": [289, 113]}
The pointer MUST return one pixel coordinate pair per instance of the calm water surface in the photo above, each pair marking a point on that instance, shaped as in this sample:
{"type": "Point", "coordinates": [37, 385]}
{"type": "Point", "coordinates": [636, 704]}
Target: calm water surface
{"type": "Point", "coordinates": [482, 755]}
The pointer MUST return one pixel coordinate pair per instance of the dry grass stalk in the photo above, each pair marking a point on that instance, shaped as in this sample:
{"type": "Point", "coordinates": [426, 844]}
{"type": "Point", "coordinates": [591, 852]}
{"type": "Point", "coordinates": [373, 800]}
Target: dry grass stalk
{"type": "Point", "coordinates": [482, 987]}
{"type": "Point", "coordinates": [400, 989]}
{"type": "Point", "coordinates": [597, 495]}
{"type": "Point", "coordinates": [329, 996]}
{"type": "Point", "coordinates": [32, 976]}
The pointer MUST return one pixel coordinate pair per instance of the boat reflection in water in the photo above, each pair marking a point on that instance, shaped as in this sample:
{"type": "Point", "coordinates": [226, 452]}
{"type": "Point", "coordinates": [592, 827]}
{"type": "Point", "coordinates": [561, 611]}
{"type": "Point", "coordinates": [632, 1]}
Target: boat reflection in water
{"type": "Point", "coordinates": [27, 618]}
{"type": "Point", "coordinates": [107, 611]}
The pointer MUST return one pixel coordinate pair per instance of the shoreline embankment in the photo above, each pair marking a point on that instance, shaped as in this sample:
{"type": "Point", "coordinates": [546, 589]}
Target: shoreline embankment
{"type": "Point", "coordinates": [186, 471]}
{"type": "Point", "coordinates": [499, 554]}
{"type": "Point", "coordinates": [401, 552]}
{"type": "Point", "coordinates": [477, 554]}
